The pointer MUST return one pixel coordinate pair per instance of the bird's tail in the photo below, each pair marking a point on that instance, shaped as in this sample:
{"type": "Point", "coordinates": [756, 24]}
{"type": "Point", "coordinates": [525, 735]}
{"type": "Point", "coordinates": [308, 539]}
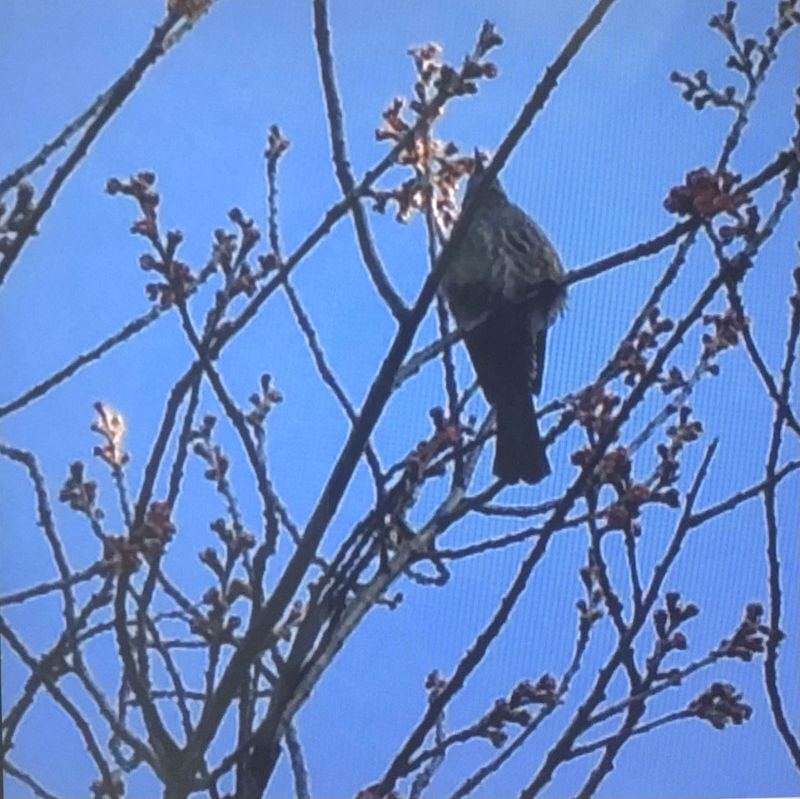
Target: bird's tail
{"type": "Point", "coordinates": [519, 452]}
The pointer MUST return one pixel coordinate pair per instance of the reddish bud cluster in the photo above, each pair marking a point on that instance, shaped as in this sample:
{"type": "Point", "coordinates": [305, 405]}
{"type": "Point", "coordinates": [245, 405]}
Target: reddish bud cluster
{"type": "Point", "coordinates": [623, 513]}
{"type": "Point", "coordinates": [750, 637]}
{"type": "Point", "coordinates": [180, 281]}
{"type": "Point", "coordinates": [514, 711]}
{"type": "Point", "coordinates": [120, 554]}
{"type": "Point", "coordinates": [614, 470]}
{"type": "Point", "coordinates": [683, 432]}
{"type": "Point", "coordinates": [157, 528]}
{"type": "Point", "coordinates": [229, 255]}
{"type": "Point", "coordinates": [420, 464]}
{"type": "Point", "coordinates": [593, 409]}
{"type": "Point", "coordinates": [79, 493]}
{"type": "Point", "coordinates": [706, 194]}
{"type": "Point", "coordinates": [728, 326]}
{"type": "Point", "coordinates": [446, 435]}
{"type": "Point", "coordinates": [140, 188]}
{"type": "Point", "coordinates": [720, 705]}
{"type": "Point", "coordinates": [686, 430]}
{"type": "Point", "coordinates": [123, 554]}
{"type": "Point", "coordinates": [630, 359]}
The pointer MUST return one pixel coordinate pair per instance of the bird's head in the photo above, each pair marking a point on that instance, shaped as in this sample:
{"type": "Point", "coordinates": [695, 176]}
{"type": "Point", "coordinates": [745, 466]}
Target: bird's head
{"type": "Point", "coordinates": [493, 192]}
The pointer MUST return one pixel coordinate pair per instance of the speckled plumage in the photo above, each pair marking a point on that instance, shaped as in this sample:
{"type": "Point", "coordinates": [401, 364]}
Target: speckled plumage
{"type": "Point", "coordinates": [504, 287]}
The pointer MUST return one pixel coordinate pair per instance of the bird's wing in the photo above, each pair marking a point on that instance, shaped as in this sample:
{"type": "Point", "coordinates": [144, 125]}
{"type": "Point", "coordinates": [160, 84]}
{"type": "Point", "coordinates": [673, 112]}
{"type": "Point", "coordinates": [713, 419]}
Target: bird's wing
{"type": "Point", "coordinates": [502, 352]}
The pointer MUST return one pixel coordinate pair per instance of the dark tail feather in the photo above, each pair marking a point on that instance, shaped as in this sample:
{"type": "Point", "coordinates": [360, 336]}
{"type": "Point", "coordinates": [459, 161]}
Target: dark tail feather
{"type": "Point", "coordinates": [519, 453]}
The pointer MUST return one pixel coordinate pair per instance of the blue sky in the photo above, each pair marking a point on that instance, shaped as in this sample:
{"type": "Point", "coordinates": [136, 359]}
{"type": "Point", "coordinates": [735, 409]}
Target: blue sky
{"type": "Point", "coordinates": [593, 172]}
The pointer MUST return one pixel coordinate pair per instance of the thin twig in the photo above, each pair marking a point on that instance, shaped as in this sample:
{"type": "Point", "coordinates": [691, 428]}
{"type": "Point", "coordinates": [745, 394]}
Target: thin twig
{"type": "Point", "coordinates": [344, 174]}
{"type": "Point", "coordinates": [773, 561]}
{"type": "Point", "coordinates": [120, 92]}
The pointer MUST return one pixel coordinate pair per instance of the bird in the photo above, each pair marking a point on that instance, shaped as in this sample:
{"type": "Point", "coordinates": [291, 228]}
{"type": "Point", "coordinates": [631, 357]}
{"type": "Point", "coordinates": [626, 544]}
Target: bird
{"type": "Point", "coordinates": [504, 289]}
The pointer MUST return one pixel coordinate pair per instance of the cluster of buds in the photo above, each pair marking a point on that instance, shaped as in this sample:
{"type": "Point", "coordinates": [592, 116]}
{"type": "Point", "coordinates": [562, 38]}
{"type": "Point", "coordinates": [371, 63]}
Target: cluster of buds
{"type": "Point", "coordinates": [216, 460]}
{"type": "Point", "coordinates": [674, 380]}
{"type": "Point", "coordinates": [705, 194]}
{"type": "Point", "coordinates": [435, 189]}
{"type": "Point", "coordinates": [700, 93]}
{"type": "Point", "coordinates": [446, 435]}
{"type": "Point", "coordinates": [593, 409]}
{"type": "Point", "coordinates": [108, 788]}
{"type": "Point", "coordinates": [79, 493]}
{"type": "Point", "coordinates": [263, 403]}
{"type": "Point", "coordinates": [749, 56]}
{"type": "Point", "coordinates": [229, 253]}
{"type": "Point", "coordinates": [720, 705]}
{"type": "Point", "coordinates": [236, 540]}
{"type": "Point", "coordinates": [514, 710]}
{"type": "Point", "coordinates": [17, 217]}
{"type": "Point", "coordinates": [437, 166]}
{"type": "Point", "coordinates": [666, 621]}
{"type": "Point", "coordinates": [614, 470]}
{"type": "Point", "coordinates": [123, 554]}
{"type": "Point", "coordinates": [216, 626]}
{"type": "Point", "coordinates": [141, 188]}
{"type": "Point", "coordinates": [277, 145]}
{"type": "Point", "coordinates": [590, 609]}
{"type": "Point", "coordinates": [111, 426]}
{"type": "Point", "coordinates": [685, 431]}
{"type": "Point", "coordinates": [750, 637]}
{"type": "Point", "coordinates": [234, 589]}
{"type": "Point", "coordinates": [728, 326]}
{"type": "Point", "coordinates": [630, 359]}
{"type": "Point", "coordinates": [417, 466]}
{"type": "Point", "coordinates": [179, 280]}
{"type": "Point", "coordinates": [157, 529]}
{"type": "Point", "coordinates": [624, 513]}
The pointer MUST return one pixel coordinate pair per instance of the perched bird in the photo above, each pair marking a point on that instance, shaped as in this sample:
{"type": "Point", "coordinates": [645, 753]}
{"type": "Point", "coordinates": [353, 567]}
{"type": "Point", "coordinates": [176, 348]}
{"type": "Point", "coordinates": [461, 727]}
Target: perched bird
{"type": "Point", "coordinates": [504, 289]}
